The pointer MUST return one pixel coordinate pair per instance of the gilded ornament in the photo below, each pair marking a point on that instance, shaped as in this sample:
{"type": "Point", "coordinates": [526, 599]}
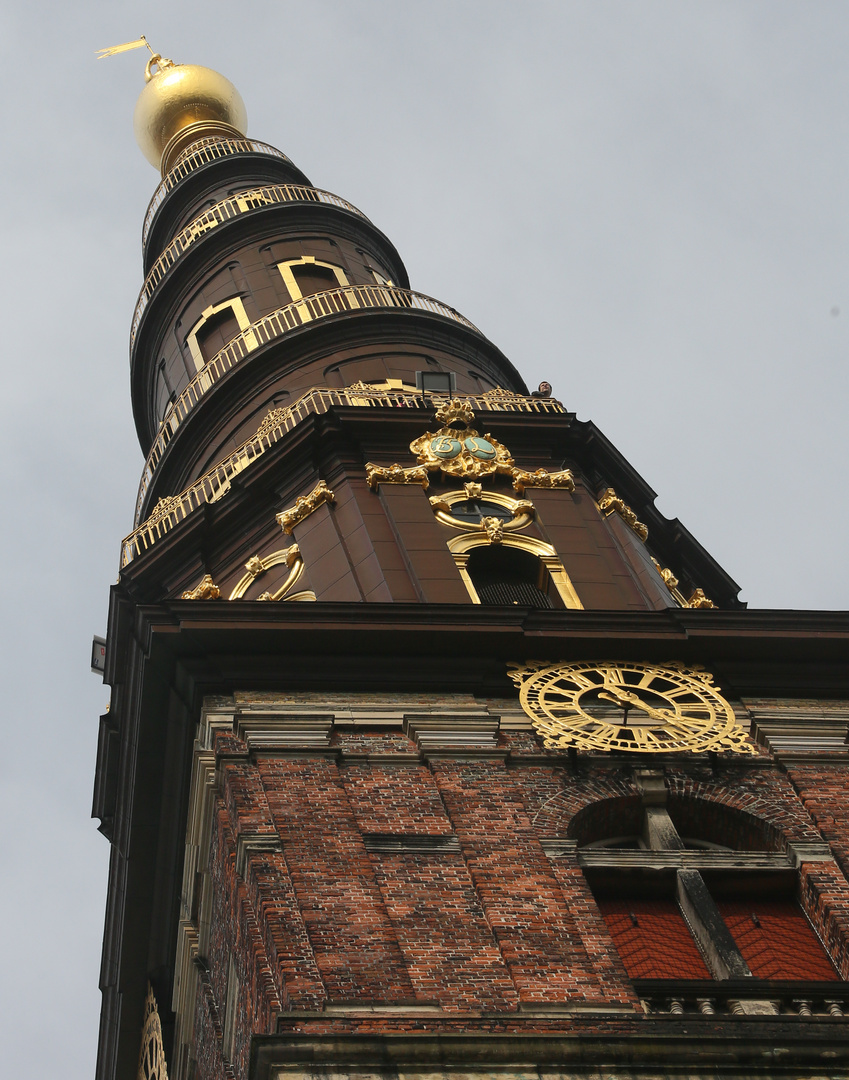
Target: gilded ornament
{"type": "Point", "coordinates": [542, 479]}
{"type": "Point", "coordinates": [699, 600]}
{"type": "Point", "coordinates": [462, 453]}
{"type": "Point", "coordinates": [521, 511]}
{"type": "Point", "coordinates": [671, 582]}
{"type": "Point", "coordinates": [180, 104]}
{"type": "Point", "coordinates": [500, 394]}
{"type": "Point", "coordinates": [254, 565]}
{"type": "Point", "coordinates": [152, 1053]}
{"type": "Point", "coordinates": [395, 474]}
{"type": "Point", "coordinates": [628, 706]}
{"type": "Point", "coordinates": [455, 409]}
{"type": "Point", "coordinates": [610, 503]}
{"type": "Point", "coordinates": [305, 505]}
{"type": "Point", "coordinates": [163, 508]}
{"type": "Point", "coordinates": [271, 420]}
{"type": "Point", "coordinates": [669, 578]}
{"type": "Point", "coordinates": [206, 590]}
{"type": "Point", "coordinates": [494, 529]}
{"type": "Point", "coordinates": [212, 485]}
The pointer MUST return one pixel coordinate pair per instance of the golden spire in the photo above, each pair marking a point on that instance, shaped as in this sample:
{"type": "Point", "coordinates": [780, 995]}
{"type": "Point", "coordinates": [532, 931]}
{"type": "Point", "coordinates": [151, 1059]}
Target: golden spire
{"type": "Point", "coordinates": [181, 104]}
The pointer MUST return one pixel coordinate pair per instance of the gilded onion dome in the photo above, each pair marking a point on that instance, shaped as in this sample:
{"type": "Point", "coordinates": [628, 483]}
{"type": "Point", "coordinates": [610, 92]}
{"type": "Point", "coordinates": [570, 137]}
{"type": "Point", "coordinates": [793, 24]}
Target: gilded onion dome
{"type": "Point", "coordinates": [181, 104]}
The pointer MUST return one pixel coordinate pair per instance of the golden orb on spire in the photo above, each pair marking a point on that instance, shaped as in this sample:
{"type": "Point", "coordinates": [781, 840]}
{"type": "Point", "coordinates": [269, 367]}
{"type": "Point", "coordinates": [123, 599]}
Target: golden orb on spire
{"type": "Point", "coordinates": [181, 104]}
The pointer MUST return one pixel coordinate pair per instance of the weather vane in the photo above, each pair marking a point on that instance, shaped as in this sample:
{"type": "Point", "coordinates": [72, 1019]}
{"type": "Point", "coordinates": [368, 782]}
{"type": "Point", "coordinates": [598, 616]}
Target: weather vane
{"type": "Point", "coordinates": [155, 63]}
{"type": "Point", "coordinates": [139, 43]}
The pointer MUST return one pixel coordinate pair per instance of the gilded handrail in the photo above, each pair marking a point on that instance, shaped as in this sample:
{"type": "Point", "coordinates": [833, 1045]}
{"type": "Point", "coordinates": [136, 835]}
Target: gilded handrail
{"type": "Point", "coordinates": [279, 322]}
{"type": "Point", "coordinates": [201, 155]}
{"type": "Point", "coordinates": [224, 211]}
{"type": "Point", "coordinates": [216, 482]}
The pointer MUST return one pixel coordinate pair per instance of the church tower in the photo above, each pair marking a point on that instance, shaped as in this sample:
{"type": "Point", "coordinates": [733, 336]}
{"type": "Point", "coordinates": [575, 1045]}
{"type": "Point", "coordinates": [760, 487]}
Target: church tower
{"type": "Point", "coordinates": [433, 747]}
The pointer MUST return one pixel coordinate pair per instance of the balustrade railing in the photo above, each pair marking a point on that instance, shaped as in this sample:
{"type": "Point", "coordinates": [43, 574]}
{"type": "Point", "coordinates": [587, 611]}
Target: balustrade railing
{"type": "Point", "coordinates": [214, 484]}
{"type": "Point", "coordinates": [202, 154]}
{"type": "Point", "coordinates": [225, 211]}
{"type": "Point", "coordinates": [754, 997]}
{"type": "Point", "coordinates": [280, 322]}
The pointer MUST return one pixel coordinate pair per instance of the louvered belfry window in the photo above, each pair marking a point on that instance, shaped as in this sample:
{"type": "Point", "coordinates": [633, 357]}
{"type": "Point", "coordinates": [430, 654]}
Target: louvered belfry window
{"type": "Point", "coordinates": [505, 575]}
{"type": "Point", "coordinates": [776, 939]}
{"type": "Point", "coordinates": [653, 940]}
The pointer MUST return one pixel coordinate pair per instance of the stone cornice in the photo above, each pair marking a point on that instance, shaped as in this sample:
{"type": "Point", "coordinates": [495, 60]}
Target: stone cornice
{"type": "Point", "coordinates": [595, 1043]}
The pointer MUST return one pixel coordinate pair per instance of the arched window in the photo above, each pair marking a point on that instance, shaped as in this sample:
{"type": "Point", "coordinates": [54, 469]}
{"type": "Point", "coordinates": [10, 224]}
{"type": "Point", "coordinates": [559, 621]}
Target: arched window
{"type": "Point", "coordinates": [218, 324]}
{"type": "Point", "coordinates": [497, 565]}
{"type": "Point", "coordinates": [308, 275]}
{"type": "Point", "coordinates": [681, 908]}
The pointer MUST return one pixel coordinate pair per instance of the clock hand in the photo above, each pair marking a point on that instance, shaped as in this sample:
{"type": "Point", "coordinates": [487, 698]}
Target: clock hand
{"type": "Point", "coordinates": [609, 694]}
{"type": "Point", "coordinates": [624, 699]}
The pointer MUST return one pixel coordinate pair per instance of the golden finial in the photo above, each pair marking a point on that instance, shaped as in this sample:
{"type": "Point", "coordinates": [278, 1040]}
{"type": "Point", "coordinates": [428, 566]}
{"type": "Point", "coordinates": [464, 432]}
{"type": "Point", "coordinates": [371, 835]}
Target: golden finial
{"type": "Point", "coordinates": [181, 104]}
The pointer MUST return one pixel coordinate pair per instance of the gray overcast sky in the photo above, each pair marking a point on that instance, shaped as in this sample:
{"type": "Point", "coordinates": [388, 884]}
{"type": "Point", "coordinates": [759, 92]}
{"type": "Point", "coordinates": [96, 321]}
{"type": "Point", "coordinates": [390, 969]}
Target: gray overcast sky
{"type": "Point", "coordinates": [643, 201]}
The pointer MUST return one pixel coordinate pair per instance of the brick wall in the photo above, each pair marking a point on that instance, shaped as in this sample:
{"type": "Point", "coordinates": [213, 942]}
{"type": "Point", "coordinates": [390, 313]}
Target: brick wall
{"type": "Point", "coordinates": [361, 883]}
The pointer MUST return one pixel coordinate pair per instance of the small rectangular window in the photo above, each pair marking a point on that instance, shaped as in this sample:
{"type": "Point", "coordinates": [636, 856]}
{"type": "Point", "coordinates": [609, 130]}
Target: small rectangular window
{"type": "Point", "coordinates": [436, 382]}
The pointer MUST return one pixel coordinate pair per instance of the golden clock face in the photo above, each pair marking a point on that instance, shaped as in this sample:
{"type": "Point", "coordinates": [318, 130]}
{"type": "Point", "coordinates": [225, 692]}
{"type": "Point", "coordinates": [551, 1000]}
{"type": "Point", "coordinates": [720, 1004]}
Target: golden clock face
{"type": "Point", "coordinates": [642, 708]}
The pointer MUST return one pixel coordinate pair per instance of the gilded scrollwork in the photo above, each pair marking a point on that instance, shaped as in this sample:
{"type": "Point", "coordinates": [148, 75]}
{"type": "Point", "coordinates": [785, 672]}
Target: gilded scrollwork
{"type": "Point", "coordinates": [501, 395]}
{"type": "Point", "coordinates": [255, 566]}
{"type": "Point", "coordinates": [699, 600]}
{"type": "Point", "coordinates": [395, 474]}
{"type": "Point", "coordinates": [610, 503]}
{"type": "Point", "coordinates": [305, 505]}
{"type": "Point", "coordinates": [522, 511]}
{"type": "Point", "coordinates": [272, 419]}
{"type": "Point", "coordinates": [671, 582]}
{"type": "Point", "coordinates": [523, 506]}
{"type": "Point", "coordinates": [205, 590]}
{"type": "Point", "coordinates": [542, 479]}
{"type": "Point", "coordinates": [462, 452]}
{"type": "Point", "coordinates": [458, 410]}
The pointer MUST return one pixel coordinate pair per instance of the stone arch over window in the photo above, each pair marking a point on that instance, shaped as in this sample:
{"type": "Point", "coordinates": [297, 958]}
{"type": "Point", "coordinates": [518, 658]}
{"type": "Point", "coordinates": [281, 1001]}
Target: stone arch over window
{"type": "Point", "coordinates": [218, 324]}
{"type": "Point", "coordinates": [520, 564]}
{"type": "Point", "coordinates": [731, 808]}
{"type": "Point", "coordinates": [713, 812]}
{"type": "Point", "coordinates": [701, 823]}
{"type": "Point", "coordinates": [560, 808]}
